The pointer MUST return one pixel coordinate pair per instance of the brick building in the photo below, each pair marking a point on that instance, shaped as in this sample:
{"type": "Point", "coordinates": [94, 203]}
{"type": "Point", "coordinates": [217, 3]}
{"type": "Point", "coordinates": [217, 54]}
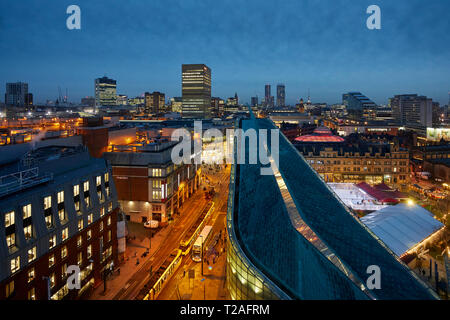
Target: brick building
{"type": "Point", "coordinates": [58, 208]}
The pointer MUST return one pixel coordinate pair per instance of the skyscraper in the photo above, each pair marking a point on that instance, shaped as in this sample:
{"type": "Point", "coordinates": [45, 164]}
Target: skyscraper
{"type": "Point", "coordinates": [413, 111]}
{"type": "Point", "coordinates": [196, 91]}
{"type": "Point", "coordinates": [254, 101]}
{"type": "Point", "coordinates": [155, 102]}
{"type": "Point", "coordinates": [267, 95]}
{"type": "Point", "coordinates": [16, 93]}
{"type": "Point", "coordinates": [281, 96]}
{"type": "Point", "coordinates": [105, 92]}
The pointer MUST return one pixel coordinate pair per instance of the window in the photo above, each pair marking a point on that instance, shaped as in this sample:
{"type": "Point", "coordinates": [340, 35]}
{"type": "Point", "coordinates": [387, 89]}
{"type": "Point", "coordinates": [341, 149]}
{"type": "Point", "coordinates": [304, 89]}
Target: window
{"type": "Point", "coordinates": [15, 264]}
{"type": "Point", "coordinates": [109, 207]}
{"type": "Point", "coordinates": [64, 252]}
{"type": "Point", "coordinates": [77, 206]}
{"type": "Point", "coordinates": [101, 226]}
{"type": "Point", "coordinates": [11, 240]}
{"type": "Point", "coordinates": [109, 236]}
{"type": "Point", "coordinates": [28, 231]}
{"type": "Point", "coordinates": [52, 241]}
{"type": "Point", "coordinates": [98, 180]}
{"type": "Point", "coordinates": [156, 194]}
{"type": "Point", "coordinates": [52, 279]}
{"type": "Point", "coordinates": [90, 218]}
{"type": "Point", "coordinates": [156, 172]}
{"type": "Point", "coordinates": [31, 254]}
{"type": "Point", "coordinates": [107, 191]}
{"type": "Point", "coordinates": [51, 260]}
{"type": "Point", "coordinates": [106, 177]}
{"type": "Point", "coordinates": [100, 196]}
{"type": "Point", "coordinates": [109, 221]}
{"type": "Point", "coordinates": [89, 234]}
{"type": "Point", "coordinates": [9, 219]}
{"type": "Point", "coordinates": [63, 270]}
{"type": "Point", "coordinates": [80, 224]}
{"type": "Point", "coordinates": [80, 258]}
{"type": "Point", "coordinates": [62, 214]}
{"type": "Point", "coordinates": [86, 186]}
{"type": "Point", "coordinates": [32, 294]}
{"type": "Point", "coordinates": [89, 251]}
{"type": "Point", "coordinates": [9, 289]}
{"type": "Point", "coordinates": [76, 190]}
{"type": "Point", "coordinates": [79, 241]}
{"type": "Point", "coordinates": [49, 221]}
{"type": "Point", "coordinates": [102, 211]}
{"type": "Point", "coordinates": [65, 234]}
{"type": "Point", "coordinates": [47, 202]}
{"type": "Point", "coordinates": [31, 274]}
{"type": "Point", "coordinates": [87, 202]}
{"type": "Point", "coordinates": [26, 211]}
{"type": "Point", "coordinates": [60, 197]}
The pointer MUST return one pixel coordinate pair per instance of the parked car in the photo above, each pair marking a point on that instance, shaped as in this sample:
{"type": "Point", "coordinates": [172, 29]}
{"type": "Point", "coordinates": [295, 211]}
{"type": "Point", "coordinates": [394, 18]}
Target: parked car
{"type": "Point", "coordinates": [151, 224]}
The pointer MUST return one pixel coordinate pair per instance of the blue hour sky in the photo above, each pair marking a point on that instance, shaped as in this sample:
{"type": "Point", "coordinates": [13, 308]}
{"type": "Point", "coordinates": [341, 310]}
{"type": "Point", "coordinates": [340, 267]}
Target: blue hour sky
{"type": "Point", "coordinates": [321, 45]}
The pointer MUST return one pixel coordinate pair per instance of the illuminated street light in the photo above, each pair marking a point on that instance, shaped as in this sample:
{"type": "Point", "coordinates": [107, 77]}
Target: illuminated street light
{"type": "Point", "coordinates": [410, 202]}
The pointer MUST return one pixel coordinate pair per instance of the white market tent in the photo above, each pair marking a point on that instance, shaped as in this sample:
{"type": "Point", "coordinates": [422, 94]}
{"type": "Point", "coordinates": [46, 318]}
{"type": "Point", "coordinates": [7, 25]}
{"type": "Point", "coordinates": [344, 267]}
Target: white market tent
{"type": "Point", "coordinates": [402, 226]}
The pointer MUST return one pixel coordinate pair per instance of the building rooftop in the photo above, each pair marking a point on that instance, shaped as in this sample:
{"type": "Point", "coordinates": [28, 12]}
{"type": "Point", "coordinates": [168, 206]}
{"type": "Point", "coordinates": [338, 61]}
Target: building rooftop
{"type": "Point", "coordinates": [402, 226]}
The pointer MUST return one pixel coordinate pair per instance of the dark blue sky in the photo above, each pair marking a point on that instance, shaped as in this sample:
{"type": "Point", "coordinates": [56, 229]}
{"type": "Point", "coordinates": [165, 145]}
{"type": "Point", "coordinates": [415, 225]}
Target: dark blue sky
{"type": "Point", "coordinates": [322, 45]}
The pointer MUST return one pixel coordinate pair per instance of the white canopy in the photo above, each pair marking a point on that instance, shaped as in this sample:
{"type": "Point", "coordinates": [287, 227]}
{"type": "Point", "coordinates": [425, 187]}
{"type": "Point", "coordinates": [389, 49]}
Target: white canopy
{"type": "Point", "coordinates": [402, 226]}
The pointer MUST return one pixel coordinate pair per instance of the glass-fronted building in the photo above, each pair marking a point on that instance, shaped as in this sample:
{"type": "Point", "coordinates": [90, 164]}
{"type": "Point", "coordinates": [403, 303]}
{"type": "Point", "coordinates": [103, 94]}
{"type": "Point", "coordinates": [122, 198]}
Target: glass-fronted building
{"type": "Point", "coordinates": [290, 237]}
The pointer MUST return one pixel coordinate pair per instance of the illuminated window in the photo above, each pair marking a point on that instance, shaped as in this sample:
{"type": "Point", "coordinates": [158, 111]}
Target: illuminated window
{"type": "Point", "coordinates": [15, 264]}
{"type": "Point", "coordinates": [47, 202]}
{"type": "Point", "coordinates": [52, 280]}
{"type": "Point", "coordinates": [32, 294]}
{"type": "Point", "coordinates": [52, 242]}
{"type": "Point", "coordinates": [65, 234]}
{"type": "Point", "coordinates": [63, 252]}
{"type": "Point", "coordinates": [109, 221]}
{"type": "Point", "coordinates": [31, 254]}
{"type": "Point", "coordinates": [28, 232]}
{"type": "Point", "coordinates": [62, 214]}
{"type": "Point", "coordinates": [108, 238]}
{"type": "Point", "coordinates": [101, 226]}
{"type": "Point", "coordinates": [60, 196]}
{"type": "Point", "coordinates": [98, 180]}
{"type": "Point", "coordinates": [26, 211]}
{"type": "Point", "coordinates": [86, 186]}
{"type": "Point", "coordinates": [31, 274]}
{"type": "Point", "coordinates": [49, 221]}
{"type": "Point", "coordinates": [102, 211]}
{"type": "Point", "coordinates": [89, 251]}
{"type": "Point", "coordinates": [80, 258]}
{"type": "Point", "coordinates": [79, 241]}
{"type": "Point", "coordinates": [76, 190]}
{"type": "Point", "coordinates": [9, 288]}
{"type": "Point", "coordinates": [156, 172]}
{"type": "Point", "coordinates": [89, 235]}
{"type": "Point", "coordinates": [11, 240]}
{"type": "Point", "coordinates": [9, 219]}
{"type": "Point", "coordinates": [90, 218]}
{"type": "Point", "coordinates": [51, 260]}
{"type": "Point", "coordinates": [106, 177]}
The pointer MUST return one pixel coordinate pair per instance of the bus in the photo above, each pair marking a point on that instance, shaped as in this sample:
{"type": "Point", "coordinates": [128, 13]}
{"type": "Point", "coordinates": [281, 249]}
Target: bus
{"type": "Point", "coordinates": [191, 235]}
{"type": "Point", "coordinates": [200, 242]}
{"type": "Point", "coordinates": [160, 278]}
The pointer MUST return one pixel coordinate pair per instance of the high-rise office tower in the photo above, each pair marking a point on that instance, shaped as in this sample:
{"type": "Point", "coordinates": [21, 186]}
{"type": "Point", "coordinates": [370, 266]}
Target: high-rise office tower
{"type": "Point", "coordinates": [196, 91]}
{"type": "Point", "coordinates": [254, 101]}
{"type": "Point", "coordinates": [105, 92]}
{"type": "Point", "coordinates": [155, 102]}
{"type": "Point", "coordinates": [16, 93]}
{"type": "Point", "coordinates": [413, 111]}
{"type": "Point", "coordinates": [267, 95]}
{"type": "Point", "coordinates": [281, 96]}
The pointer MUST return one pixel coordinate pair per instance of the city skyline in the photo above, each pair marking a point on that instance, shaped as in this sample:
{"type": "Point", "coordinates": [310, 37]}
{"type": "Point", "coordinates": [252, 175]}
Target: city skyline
{"type": "Point", "coordinates": [330, 52]}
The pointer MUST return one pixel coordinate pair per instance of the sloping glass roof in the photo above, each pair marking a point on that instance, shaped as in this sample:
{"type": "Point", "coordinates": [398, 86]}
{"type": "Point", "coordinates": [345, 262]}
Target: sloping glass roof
{"type": "Point", "coordinates": [292, 261]}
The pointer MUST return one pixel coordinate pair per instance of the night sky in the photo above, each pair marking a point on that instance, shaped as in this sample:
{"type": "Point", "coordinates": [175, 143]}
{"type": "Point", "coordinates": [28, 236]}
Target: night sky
{"type": "Point", "coordinates": [321, 45]}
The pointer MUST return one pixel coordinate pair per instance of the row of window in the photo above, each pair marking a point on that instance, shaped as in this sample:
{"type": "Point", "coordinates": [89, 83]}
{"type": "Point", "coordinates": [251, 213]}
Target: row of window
{"type": "Point", "coordinates": [26, 211]}
{"type": "Point", "coordinates": [32, 254]}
